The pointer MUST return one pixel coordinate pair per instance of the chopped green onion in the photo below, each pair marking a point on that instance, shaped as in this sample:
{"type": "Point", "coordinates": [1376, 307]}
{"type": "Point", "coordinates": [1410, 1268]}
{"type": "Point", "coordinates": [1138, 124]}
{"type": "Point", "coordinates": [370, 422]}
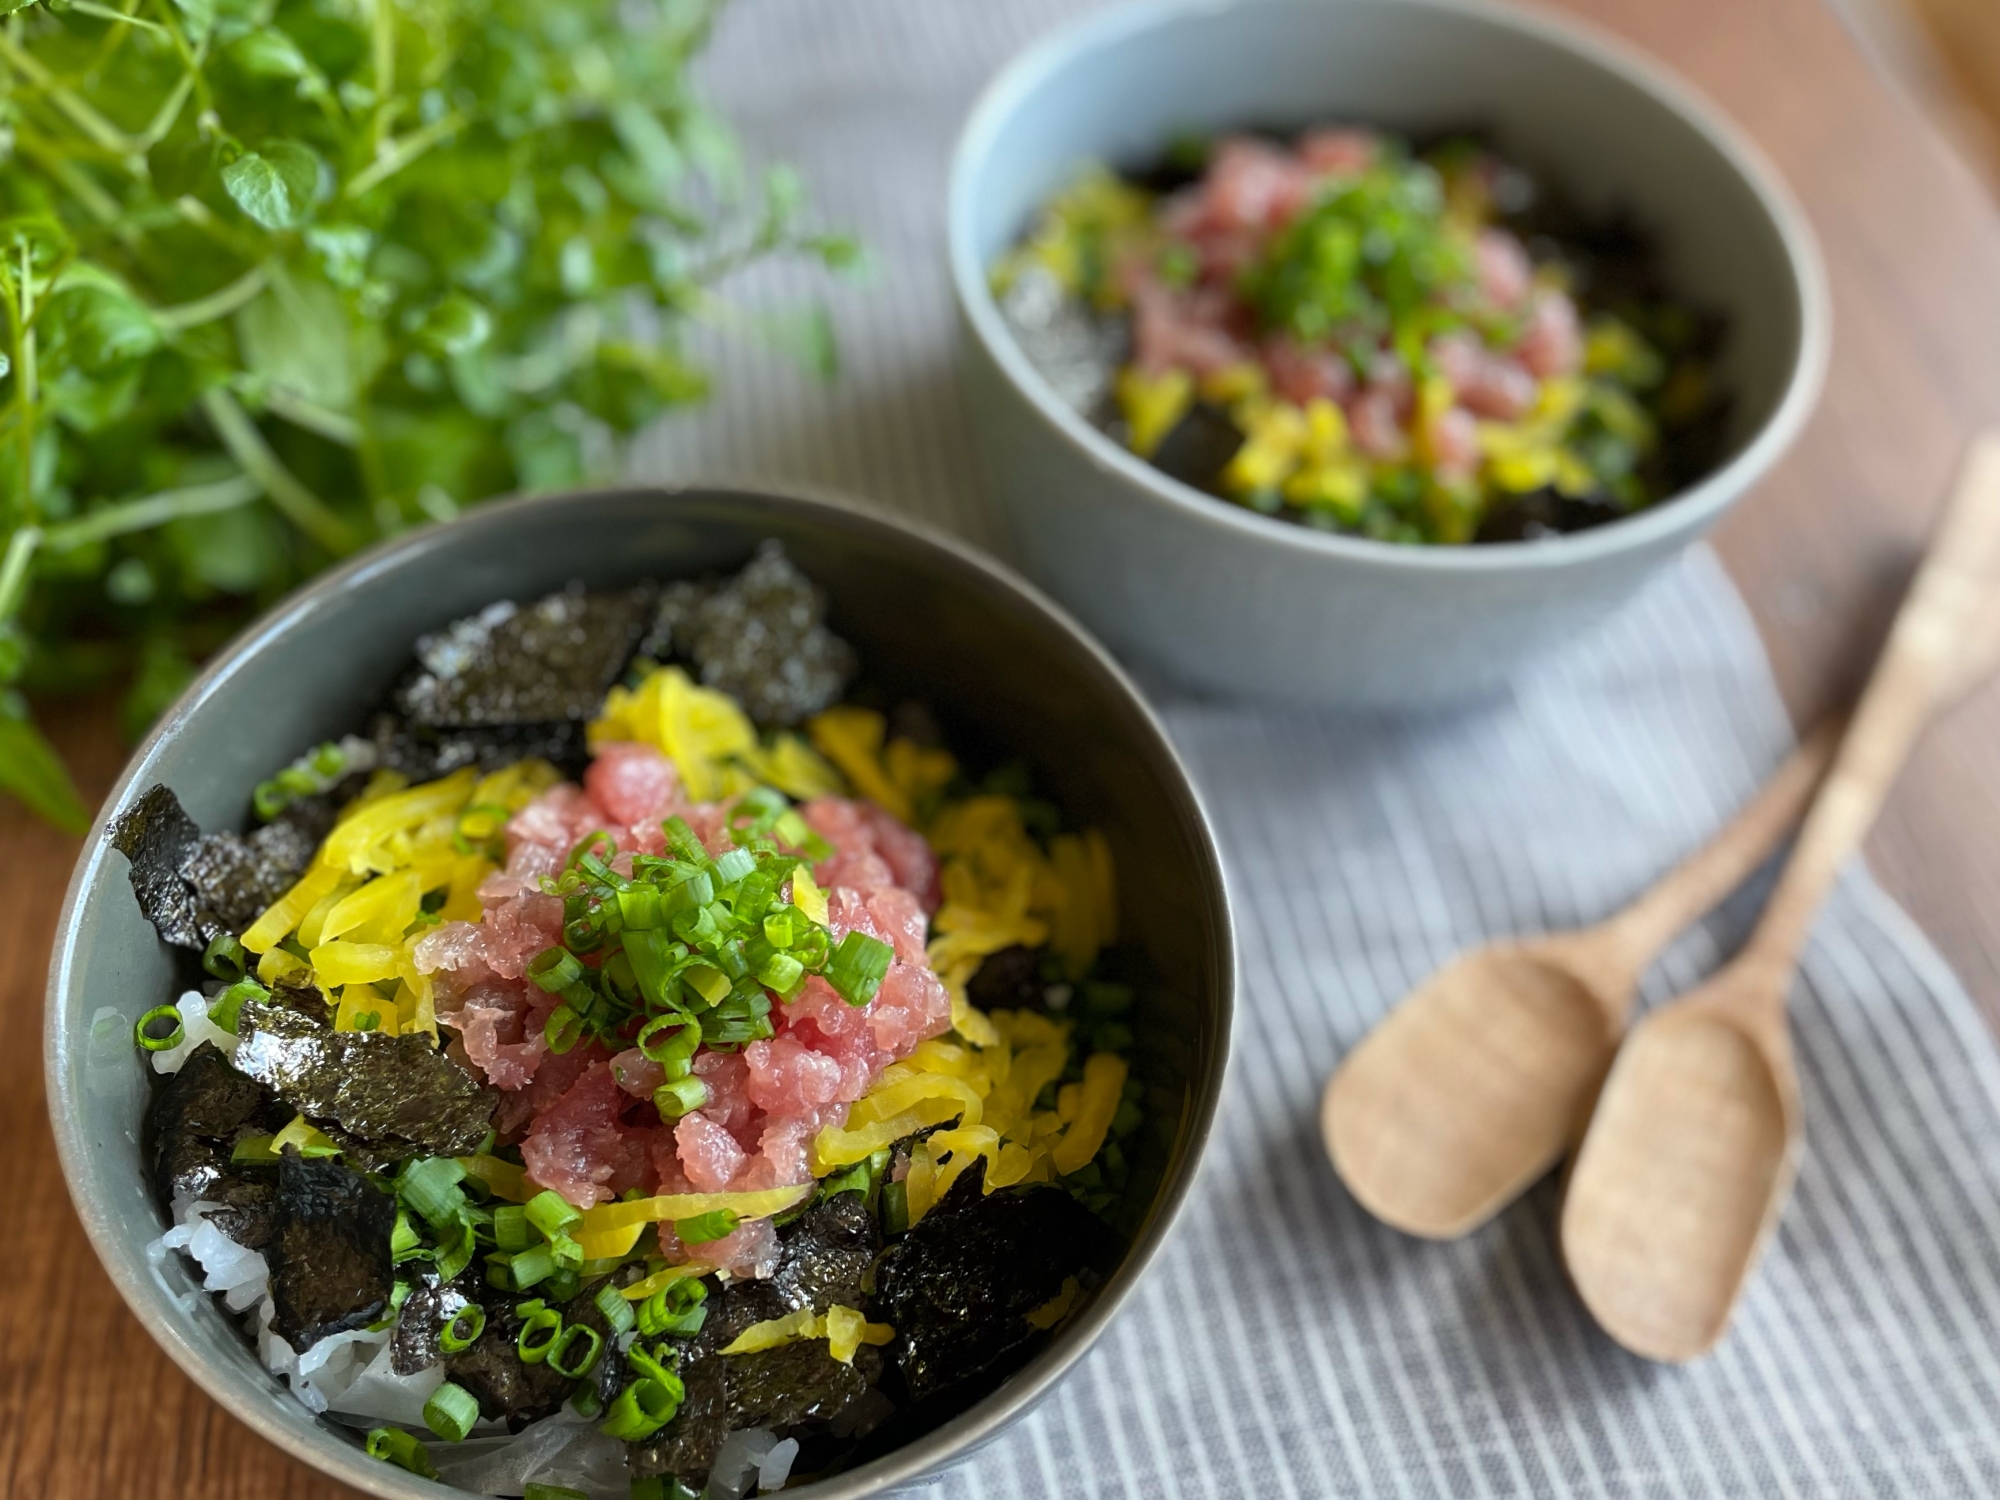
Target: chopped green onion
{"type": "Point", "coordinates": [536, 1491]}
{"type": "Point", "coordinates": [681, 1097]}
{"type": "Point", "coordinates": [567, 1253]}
{"type": "Point", "coordinates": [431, 1187]}
{"type": "Point", "coordinates": [571, 1365]}
{"type": "Point", "coordinates": [226, 1006]}
{"type": "Point", "coordinates": [268, 800]}
{"type": "Point", "coordinates": [404, 1241]}
{"type": "Point", "coordinates": [703, 1228]}
{"type": "Point", "coordinates": [895, 1208]}
{"type": "Point", "coordinates": [643, 1408]}
{"type": "Point", "coordinates": [451, 1412]}
{"type": "Point", "coordinates": [734, 865]}
{"type": "Point", "coordinates": [392, 1445]}
{"type": "Point", "coordinates": [464, 1329]}
{"type": "Point", "coordinates": [529, 1344]}
{"type": "Point", "coordinates": [159, 1029]}
{"type": "Point", "coordinates": [518, 1272]}
{"type": "Point", "coordinates": [563, 1284]}
{"type": "Point", "coordinates": [784, 973]}
{"type": "Point", "coordinates": [585, 1403]}
{"type": "Point", "coordinates": [224, 958]}
{"type": "Point", "coordinates": [549, 1213]}
{"type": "Point", "coordinates": [618, 1313]}
{"type": "Point", "coordinates": [681, 839]}
{"type": "Point", "coordinates": [555, 969]}
{"type": "Point", "coordinates": [511, 1228]}
{"type": "Point", "coordinates": [778, 928]}
{"type": "Point", "coordinates": [858, 966]}
{"type": "Point", "coordinates": [563, 1029]}
{"type": "Point", "coordinates": [639, 907]}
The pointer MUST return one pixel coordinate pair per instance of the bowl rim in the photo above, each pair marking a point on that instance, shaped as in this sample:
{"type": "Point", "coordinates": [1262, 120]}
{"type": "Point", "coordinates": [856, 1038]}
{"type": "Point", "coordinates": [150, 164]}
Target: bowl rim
{"type": "Point", "coordinates": [1694, 508]}
{"type": "Point", "coordinates": [298, 1432]}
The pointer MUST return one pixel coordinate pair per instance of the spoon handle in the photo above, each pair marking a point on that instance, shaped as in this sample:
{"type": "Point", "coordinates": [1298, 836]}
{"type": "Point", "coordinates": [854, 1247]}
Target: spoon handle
{"type": "Point", "coordinates": [1696, 885]}
{"type": "Point", "coordinates": [1933, 645]}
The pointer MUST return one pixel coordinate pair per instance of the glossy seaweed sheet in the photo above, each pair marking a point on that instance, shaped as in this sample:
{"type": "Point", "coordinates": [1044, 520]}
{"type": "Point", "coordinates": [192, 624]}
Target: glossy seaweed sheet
{"type": "Point", "coordinates": [396, 1094]}
{"type": "Point", "coordinates": [192, 885]}
{"type": "Point", "coordinates": [759, 636]}
{"type": "Point", "coordinates": [329, 1252]}
{"type": "Point", "coordinates": [959, 1286]}
{"type": "Point", "coordinates": [514, 665]}
{"type": "Point", "coordinates": [194, 1118]}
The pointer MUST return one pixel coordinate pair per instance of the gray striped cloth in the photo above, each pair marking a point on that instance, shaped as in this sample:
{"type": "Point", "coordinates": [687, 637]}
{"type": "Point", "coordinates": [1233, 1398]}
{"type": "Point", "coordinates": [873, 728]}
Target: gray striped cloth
{"type": "Point", "coordinates": [1285, 1344]}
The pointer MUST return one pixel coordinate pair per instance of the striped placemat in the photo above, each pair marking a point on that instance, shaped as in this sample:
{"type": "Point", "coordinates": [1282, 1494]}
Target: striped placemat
{"type": "Point", "coordinates": [1286, 1344]}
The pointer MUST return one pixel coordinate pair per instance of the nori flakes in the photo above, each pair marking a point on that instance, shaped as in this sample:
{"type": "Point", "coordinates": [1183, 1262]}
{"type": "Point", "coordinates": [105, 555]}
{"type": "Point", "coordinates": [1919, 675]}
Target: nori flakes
{"type": "Point", "coordinates": [235, 877]}
{"type": "Point", "coordinates": [760, 637]}
{"type": "Point", "coordinates": [553, 659]}
{"type": "Point", "coordinates": [427, 1312]}
{"type": "Point", "coordinates": [157, 836]}
{"type": "Point", "coordinates": [193, 885]}
{"type": "Point", "coordinates": [493, 1370]}
{"type": "Point", "coordinates": [795, 1384]}
{"type": "Point", "coordinates": [193, 1119]}
{"type": "Point", "coordinates": [424, 753]}
{"type": "Point", "coordinates": [825, 1254]}
{"type": "Point", "coordinates": [959, 1286]}
{"type": "Point", "coordinates": [823, 1261]}
{"type": "Point", "coordinates": [396, 1094]}
{"type": "Point", "coordinates": [330, 1263]}
{"type": "Point", "coordinates": [1010, 979]}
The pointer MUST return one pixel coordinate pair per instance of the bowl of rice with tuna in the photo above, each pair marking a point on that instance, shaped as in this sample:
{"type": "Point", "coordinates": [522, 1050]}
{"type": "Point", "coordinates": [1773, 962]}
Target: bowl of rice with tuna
{"type": "Point", "coordinates": [1357, 354]}
{"type": "Point", "coordinates": [641, 995]}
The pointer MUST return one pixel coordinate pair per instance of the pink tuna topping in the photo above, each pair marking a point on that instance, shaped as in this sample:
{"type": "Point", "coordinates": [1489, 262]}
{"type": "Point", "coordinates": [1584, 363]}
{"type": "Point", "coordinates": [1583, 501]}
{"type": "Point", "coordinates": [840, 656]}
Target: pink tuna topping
{"type": "Point", "coordinates": [584, 1119]}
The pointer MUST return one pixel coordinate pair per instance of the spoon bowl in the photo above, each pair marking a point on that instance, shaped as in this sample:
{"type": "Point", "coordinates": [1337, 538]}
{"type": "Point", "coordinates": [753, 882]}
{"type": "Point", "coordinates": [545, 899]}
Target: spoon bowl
{"type": "Point", "coordinates": [1473, 1087]}
{"type": "Point", "coordinates": [1691, 1150]}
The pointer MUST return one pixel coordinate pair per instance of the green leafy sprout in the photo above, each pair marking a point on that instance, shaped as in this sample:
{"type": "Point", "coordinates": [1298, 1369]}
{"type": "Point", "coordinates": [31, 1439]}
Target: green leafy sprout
{"type": "Point", "coordinates": [281, 277]}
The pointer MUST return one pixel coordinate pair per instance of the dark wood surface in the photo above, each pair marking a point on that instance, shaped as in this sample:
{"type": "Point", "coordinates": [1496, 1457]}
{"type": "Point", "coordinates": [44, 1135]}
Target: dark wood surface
{"type": "Point", "coordinates": [91, 1410]}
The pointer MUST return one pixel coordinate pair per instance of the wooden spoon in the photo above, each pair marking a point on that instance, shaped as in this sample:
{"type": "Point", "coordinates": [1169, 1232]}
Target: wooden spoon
{"type": "Point", "coordinates": [1479, 1080]}
{"type": "Point", "coordinates": [1695, 1138]}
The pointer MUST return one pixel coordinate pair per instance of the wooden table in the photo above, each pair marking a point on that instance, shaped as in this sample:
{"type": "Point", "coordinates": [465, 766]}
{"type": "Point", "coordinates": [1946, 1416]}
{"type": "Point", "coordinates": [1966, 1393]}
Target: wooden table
{"type": "Point", "coordinates": [91, 1410]}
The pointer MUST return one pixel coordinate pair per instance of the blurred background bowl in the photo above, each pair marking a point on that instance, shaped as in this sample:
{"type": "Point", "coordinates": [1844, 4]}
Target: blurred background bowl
{"type": "Point", "coordinates": [1227, 601]}
{"type": "Point", "coordinates": [1008, 675]}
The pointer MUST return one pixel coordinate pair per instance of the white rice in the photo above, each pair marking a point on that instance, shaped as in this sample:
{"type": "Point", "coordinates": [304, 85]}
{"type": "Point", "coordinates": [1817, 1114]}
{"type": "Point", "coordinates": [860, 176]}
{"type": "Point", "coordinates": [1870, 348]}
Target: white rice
{"type": "Point", "coordinates": [352, 1376]}
{"type": "Point", "coordinates": [196, 1028]}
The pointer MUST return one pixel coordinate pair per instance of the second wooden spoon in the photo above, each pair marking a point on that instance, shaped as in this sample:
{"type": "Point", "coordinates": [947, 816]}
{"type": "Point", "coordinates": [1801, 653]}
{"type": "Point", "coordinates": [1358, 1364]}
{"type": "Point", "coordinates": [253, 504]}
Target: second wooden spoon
{"type": "Point", "coordinates": [1695, 1139]}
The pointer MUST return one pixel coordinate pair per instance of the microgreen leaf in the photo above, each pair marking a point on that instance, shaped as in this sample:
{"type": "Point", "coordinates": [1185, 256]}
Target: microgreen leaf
{"type": "Point", "coordinates": [275, 187]}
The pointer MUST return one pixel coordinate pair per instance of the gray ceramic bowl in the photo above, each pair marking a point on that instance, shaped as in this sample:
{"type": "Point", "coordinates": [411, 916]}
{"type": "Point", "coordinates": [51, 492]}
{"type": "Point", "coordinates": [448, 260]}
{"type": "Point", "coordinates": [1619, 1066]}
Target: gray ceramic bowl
{"type": "Point", "coordinates": [1228, 601]}
{"type": "Point", "coordinates": [1008, 674]}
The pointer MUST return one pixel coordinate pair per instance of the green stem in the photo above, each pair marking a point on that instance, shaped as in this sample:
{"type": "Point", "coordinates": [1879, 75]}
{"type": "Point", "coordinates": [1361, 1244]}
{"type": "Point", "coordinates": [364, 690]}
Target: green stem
{"type": "Point", "coordinates": [217, 304]}
{"type": "Point", "coordinates": [246, 445]}
{"type": "Point", "coordinates": [400, 154]}
{"type": "Point", "coordinates": [152, 510]}
{"type": "Point", "coordinates": [14, 570]}
{"type": "Point", "coordinates": [106, 13]}
{"type": "Point", "coordinates": [335, 427]}
{"type": "Point", "coordinates": [86, 119]}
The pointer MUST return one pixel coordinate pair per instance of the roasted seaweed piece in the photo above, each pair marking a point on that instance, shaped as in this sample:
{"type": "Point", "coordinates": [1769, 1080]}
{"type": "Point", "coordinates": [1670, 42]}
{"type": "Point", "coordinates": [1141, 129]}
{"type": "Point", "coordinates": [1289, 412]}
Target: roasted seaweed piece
{"type": "Point", "coordinates": [1010, 979]}
{"type": "Point", "coordinates": [426, 1313]}
{"type": "Point", "coordinates": [823, 1260]}
{"type": "Point", "coordinates": [330, 1264]}
{"type": "Point", "coordinates": [959, 1286]}
{"type": "Point", "coordinates": [234, 876]}
{"type": "Point", "coordinates": [825, 1254]}
{"type": "Point", "coordinates": [423, 753]}
{"type": "Point", "coordinates": [193, 1119]}
{"type": "Point", "coordinates": [397, 1094]}
{"type": "Point", "coordinates": [157, 836]}
{"type": "Point", "coordinates": [796, 1384]}
{"type": "Point", "coordinates": [685, 1448]}
{"type": "Point", "coordinates": [553, 659]}
{"type": "Point", "coordinates": [493, 1370]}
{"type": "Point", "coordinates": [249, 1214]}
{"type": "Point", "coordinates": [761, 637]}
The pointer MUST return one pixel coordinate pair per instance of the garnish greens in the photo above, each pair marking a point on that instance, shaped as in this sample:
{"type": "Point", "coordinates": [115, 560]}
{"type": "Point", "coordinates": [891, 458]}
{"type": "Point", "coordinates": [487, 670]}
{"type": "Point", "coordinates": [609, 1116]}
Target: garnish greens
{"type": "Point", "coordinates": [278, 277]}
{"type": "Point", "coordinates": [696, 946]}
